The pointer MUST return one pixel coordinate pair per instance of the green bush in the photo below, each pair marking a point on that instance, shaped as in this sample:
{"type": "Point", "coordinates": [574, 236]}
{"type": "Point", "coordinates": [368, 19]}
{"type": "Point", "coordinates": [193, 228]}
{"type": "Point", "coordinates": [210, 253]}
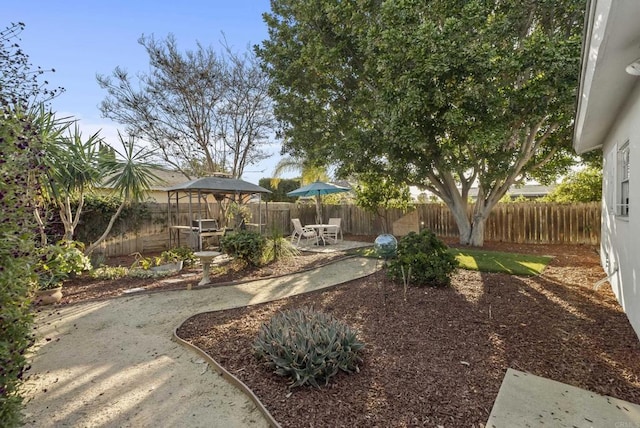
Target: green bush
{"type": "Point", "coordinates": [425, 257]}
{"type": "Point", "coordinates": [19, 154]}
{"type": "Point", "coordinates": [181, 253]}
{"type": "Point", "coordinates": [60, 261]}
{"type": "Point", "coordinates": [244, 245]}
{"type": "Point", "coordinates": [278, 247]}
{"type": "Point", "coordinates": [307, 346]}
{"type": "Point", "coordinates": [109, 272]}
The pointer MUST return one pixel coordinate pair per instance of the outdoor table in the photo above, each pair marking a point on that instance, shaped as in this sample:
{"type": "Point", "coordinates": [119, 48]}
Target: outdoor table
{"type": "Point", "coordinates": [320, 230]}
{"type": "Point", "coordinates": [206, 257]}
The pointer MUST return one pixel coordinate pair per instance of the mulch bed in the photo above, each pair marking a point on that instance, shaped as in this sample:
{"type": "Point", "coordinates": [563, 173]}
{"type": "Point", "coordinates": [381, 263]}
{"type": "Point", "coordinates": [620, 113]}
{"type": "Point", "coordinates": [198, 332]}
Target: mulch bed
{"type": "Point", "coordinates": [437, 358]}
{"type": "Point", "coordinates": [83, 288]}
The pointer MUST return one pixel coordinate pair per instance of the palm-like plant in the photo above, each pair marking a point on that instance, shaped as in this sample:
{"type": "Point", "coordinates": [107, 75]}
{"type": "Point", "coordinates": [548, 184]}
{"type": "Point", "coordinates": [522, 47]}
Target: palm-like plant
{"type": "Point", "coordinates": [71, 169]}
{"type": "Point", "coordinates": [49, 130]}
{"type": "Point", "coordinates": [308, 171]}
{"type": "Point", "coordinates": [130, 175]}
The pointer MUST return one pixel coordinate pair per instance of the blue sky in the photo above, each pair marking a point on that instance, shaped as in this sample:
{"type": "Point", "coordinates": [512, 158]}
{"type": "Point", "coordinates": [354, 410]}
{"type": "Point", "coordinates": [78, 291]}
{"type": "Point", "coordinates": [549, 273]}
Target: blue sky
{"type": "Point", "coordinates": [80, 39]}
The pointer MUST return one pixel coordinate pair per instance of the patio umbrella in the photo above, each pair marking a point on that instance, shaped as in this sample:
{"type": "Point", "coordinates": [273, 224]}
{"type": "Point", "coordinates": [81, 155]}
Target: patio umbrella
{"type": "Point", "coordinates": [317, 189]}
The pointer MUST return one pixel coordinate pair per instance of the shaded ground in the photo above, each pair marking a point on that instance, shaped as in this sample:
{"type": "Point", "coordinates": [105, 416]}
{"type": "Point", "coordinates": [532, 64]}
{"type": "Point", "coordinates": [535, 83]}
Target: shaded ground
{"type": "Point", "coordinates": [438, 357]}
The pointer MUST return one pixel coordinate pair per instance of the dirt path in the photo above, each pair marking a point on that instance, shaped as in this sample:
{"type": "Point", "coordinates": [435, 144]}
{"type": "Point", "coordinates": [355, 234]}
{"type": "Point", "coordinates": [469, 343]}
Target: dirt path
{"type": "Point", "coordinates": [113, 364]}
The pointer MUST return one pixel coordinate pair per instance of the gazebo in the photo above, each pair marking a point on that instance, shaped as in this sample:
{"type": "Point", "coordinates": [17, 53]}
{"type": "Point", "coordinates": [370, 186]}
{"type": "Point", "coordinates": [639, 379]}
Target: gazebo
{"type": "Point", "coordinates": [199, 195]}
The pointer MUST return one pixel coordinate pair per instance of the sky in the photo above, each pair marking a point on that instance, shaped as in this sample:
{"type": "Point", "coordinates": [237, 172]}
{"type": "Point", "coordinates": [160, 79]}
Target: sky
{"type": "Point", "coordinates": [80, 39]}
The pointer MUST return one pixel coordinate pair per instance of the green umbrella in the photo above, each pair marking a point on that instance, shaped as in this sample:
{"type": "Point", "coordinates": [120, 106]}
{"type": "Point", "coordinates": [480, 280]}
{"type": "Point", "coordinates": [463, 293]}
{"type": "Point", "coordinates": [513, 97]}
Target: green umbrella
{"type": "Point", "coordinates": [317, 189]}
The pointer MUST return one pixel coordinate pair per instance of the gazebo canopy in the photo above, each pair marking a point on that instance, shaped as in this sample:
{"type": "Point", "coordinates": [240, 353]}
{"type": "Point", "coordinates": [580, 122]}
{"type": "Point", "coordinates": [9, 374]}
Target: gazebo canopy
{"type": "Point", "coordinates": [219, 185]}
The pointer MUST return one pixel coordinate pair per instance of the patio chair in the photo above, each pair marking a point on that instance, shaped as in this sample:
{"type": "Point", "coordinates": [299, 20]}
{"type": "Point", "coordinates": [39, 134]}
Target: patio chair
{"type": "Point", "coordinates": [332, 232]}
{"type": "Point", "coordinates": [302, 232]}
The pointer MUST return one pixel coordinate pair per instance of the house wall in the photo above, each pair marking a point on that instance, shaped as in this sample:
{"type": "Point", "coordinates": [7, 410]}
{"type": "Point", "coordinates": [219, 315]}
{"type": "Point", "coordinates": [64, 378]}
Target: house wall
{"type": "Point", "coordinates": [620, 240]}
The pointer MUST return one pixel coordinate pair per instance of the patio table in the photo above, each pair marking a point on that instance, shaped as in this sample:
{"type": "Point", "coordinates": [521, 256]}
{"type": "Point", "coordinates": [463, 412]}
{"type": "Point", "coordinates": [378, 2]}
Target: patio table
{"type": "Point", "coordinates": [320, 228]}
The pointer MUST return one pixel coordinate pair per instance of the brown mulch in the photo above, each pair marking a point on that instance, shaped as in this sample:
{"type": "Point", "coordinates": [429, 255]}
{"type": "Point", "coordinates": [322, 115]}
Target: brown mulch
{"type": "Point", "coordinates": [436, 358]}
{"type": "Point", "coordinates": [83, 288]}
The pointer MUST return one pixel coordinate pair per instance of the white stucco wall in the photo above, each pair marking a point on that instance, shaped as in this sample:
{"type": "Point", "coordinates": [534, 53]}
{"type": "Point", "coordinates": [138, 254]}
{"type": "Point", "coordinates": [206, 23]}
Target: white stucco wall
{"type": "Point", "coordinates": [621, 235]}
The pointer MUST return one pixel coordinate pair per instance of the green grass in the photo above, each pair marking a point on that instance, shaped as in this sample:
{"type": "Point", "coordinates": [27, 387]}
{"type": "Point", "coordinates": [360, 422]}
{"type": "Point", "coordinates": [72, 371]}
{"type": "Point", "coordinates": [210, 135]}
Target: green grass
{"type": "Point", "coordinates": [485, 261]}
{"type": "Point", "coordinates": [493, 261]}
{"type": "Point", "coordinates": [369, 252]}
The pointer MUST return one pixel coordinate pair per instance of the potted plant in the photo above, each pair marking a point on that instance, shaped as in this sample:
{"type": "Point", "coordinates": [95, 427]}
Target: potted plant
{"type": "Point", "coordinates": [168, 263]}
{"type": "Point", "coordinates": [56, 264]}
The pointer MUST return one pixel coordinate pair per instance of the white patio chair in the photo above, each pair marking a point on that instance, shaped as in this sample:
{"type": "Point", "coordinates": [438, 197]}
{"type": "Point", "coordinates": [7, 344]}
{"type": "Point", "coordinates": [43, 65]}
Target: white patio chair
{"type": "Point", "coordinates": [333, 232]}
{"type": "Point", "coordinates": [302, 232]}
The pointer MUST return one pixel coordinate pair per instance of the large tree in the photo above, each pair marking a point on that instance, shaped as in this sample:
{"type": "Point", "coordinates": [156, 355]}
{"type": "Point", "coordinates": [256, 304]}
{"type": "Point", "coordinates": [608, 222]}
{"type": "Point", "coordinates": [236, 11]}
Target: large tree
{"type": "Point", "coordinates": [584, 185]}
{"type": "Point", "coordinates": [439, 94]}
{"type": "Point", "coordinates": [202, 112]}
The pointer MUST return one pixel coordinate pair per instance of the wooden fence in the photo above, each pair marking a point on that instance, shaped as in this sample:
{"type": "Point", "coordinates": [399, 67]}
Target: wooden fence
{"type": "Point", "coordinates": [526, 222]}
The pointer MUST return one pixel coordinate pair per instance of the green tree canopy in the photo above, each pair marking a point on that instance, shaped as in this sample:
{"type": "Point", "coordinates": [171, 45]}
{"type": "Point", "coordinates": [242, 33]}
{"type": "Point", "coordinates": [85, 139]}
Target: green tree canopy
{"type": "Point", "coordinates": [378, 194]}
{"type": "Point", "coordinates": [279, 192]}
{"type": "Point", "coordinates": [579, 186]}
{"type": "Point", "coordinates": [443, 95]}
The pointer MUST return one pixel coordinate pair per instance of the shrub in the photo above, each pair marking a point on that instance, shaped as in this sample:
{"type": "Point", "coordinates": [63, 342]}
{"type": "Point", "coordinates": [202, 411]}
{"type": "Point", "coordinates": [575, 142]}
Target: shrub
{"type": "Point", "coordinates": [19, 151]}
{"type": "Point", "coordinates": [244, 245]}
{"type": "Point", "coordinates": [307, 346]}
{"type": "Point", "coordinates": [109, 272]}
{"type": "Point", "coordinates": [182, 253]}
{"type": "Point", "coordinates": [278, 247]}
{"type": "Point", "coordinates": [58, 262]}
{"type": "Point", "coordinates": [425, 257]}
{"type": "Point", "coordinates": [175, 255]}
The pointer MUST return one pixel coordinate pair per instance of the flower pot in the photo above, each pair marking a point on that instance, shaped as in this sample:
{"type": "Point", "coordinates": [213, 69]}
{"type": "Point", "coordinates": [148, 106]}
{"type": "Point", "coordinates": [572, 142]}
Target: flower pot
{"type": "Point", "coordinates": [48, 297]}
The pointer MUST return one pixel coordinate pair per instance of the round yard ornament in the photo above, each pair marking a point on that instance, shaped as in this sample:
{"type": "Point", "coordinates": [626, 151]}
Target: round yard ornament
{"type": "Point", "coordinates": [385, 245]}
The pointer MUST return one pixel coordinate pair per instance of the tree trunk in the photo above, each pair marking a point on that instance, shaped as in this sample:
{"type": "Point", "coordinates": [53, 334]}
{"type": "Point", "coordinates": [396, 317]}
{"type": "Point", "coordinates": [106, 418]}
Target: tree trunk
{"type": "Point", "coordinates": [476, 235]}
{"type": "Point", "coordinates": [41, 228]}
{"type": "Point", "coordinates": [471, 232]}
{"type": "Point", "coordinates": [459, 212]}
{"type": "Point", "coordinates": [104, 235]}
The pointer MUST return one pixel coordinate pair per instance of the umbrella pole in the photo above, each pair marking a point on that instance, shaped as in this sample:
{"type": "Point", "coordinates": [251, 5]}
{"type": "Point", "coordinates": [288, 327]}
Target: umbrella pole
{"type": "Point", "coordinates": [318, 210]}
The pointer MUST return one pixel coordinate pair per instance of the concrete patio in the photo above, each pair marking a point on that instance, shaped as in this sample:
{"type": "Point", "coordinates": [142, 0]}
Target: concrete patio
{"type": "Point", "coordinates": [525, 400]}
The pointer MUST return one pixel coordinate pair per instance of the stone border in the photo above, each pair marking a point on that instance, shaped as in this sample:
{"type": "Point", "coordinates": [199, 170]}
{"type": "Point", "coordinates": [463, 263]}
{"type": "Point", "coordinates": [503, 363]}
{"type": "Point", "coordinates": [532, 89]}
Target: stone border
{"type": "Point", "coordinates": [227, 376]}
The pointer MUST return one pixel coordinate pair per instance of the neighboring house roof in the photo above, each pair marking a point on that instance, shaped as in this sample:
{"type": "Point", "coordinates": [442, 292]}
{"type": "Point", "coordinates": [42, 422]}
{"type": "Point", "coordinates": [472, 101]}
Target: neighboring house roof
{"type": "Point", "coordinates": [166, 178]}
{"type": "Point", "coordinates": [528, 191]}
{"type": "Point", "coordinates": [610, 44]}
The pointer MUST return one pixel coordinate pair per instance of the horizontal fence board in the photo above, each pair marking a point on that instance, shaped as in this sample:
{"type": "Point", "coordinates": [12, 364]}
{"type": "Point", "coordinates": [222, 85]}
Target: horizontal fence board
{"type": "Point", "coordinates": [527, 222]}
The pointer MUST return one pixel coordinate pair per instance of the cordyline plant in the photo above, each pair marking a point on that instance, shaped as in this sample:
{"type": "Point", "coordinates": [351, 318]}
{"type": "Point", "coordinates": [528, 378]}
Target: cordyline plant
{"type": "Point", "coordinates": [74, 166]}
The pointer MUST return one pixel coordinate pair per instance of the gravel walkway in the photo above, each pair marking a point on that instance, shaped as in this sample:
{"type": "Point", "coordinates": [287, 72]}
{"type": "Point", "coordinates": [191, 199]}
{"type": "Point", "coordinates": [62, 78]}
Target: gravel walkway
{"type": "Point", "coordinates": [113, 364]}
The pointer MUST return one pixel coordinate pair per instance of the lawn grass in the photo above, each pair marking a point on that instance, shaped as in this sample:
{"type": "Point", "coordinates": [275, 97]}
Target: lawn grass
{"type": "Point", "coordinates": [494, 261]}
{"type": "Point", "coordinates": [486, 261]}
